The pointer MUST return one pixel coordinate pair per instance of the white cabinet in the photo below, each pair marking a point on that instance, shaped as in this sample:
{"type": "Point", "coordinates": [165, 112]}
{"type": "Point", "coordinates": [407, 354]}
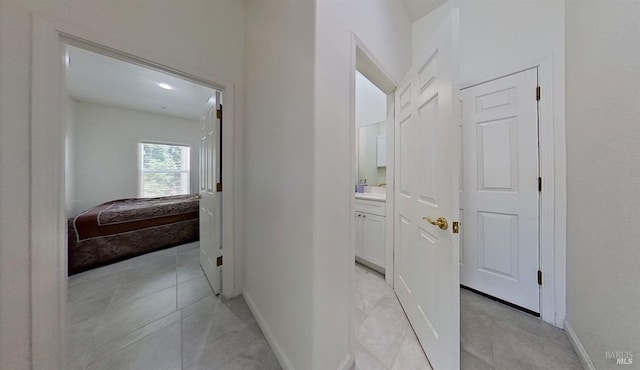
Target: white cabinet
{"type": "Point", "coordinates": [359, 239]}
{"type": "Point", "coordinates": [370, 233]}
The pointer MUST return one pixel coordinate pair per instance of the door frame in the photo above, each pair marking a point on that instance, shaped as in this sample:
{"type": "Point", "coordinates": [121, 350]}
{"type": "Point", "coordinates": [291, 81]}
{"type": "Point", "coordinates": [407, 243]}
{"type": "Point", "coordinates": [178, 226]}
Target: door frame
{"type": "Point", "coordinates": [363, 60]}
{"type": "Point", "coordinates": [553, 198]}
{"type": "Point", "coordinates": [47, 219]}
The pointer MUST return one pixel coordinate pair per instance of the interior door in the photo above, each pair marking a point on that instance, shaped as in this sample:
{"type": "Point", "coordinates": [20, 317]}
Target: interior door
{"type": "Point", "coordinates": [426, 262]}
{"type": "Point", "coordinates": [500, 189]}
{"type": "Point", "coordinates": [210, 197]}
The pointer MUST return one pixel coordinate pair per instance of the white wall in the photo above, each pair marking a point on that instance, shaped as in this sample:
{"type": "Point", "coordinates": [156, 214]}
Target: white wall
{"type": "Point", "coordinates": [106, 151]}
{"type": "Point", "coordinates": [498, 37]}
{"type": "Point", "coordinates": [371, 107]}
{"type": "Point", "coordinates": [501, 36]}
{"type": "Point", "coordinates": [384, 27]}
{"type": "Point", "coordinates": [203, 35]}
{"type": "Point", "coordinates": [371, 102]}
{"type": "Point", "coordinates": [603, 161]}
{"type": "Point", "coordinates": [278, 173]}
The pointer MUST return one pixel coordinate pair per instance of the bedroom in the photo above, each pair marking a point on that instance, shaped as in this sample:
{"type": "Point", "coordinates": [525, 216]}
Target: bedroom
{"type": "Point", "coordinates": [132, 132]}
{"type": "Point", "coordinates": [132, 196]}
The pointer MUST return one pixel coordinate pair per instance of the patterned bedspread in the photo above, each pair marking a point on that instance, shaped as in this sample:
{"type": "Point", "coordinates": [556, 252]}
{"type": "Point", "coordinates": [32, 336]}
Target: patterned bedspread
{"type": "Point", "coordinates": [125, 228]}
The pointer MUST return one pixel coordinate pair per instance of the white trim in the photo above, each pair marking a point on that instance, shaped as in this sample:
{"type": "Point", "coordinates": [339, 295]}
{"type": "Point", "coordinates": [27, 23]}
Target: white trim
{"type": "Point", "coordinates": [553, 201]}
{"type": "Point", "coordinates": [503, 72]}
{"type": "Point", "coordinates": [268, 334]}
{"type": "Point", "coordinates": [366, 63]}
{"type": "Point", "coordinates": [585, 360]}
{"type": "Point", "coordinates": [47, 228]}
{"type": "Point", "coordinates": [142, 141]}
{"type": "Point", "coordinates": [353, 173]}
{"type": "Point", "coordinates": [372, 124]}
{"type": "Point", "coordinates": [48, 222]}
{"type": "Point", "coordinates": [348, 363]}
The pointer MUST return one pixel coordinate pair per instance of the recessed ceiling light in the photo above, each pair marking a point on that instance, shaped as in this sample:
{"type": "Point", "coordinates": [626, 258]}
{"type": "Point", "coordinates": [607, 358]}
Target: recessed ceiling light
{"type": "Point", "coordinates": [165, 86]}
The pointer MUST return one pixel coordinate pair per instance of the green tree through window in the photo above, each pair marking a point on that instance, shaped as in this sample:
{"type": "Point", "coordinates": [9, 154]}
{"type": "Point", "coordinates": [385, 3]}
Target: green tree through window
{"type": "Point", "coordinates": [164, 170]}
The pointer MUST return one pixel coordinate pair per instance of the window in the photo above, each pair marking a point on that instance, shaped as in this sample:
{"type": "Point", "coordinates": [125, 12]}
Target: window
{"type": "Point", "coordinates": [164, 169]}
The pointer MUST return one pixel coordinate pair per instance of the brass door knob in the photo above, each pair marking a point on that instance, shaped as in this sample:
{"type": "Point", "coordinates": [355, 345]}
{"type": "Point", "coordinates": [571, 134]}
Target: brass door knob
{"type": "Point", "coordinates": [441, 222]}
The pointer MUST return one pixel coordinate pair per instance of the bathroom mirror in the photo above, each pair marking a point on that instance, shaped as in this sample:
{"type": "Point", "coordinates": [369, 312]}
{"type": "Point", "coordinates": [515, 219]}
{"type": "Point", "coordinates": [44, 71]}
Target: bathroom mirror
{"type": "Point", "coordinates": [372, 153]}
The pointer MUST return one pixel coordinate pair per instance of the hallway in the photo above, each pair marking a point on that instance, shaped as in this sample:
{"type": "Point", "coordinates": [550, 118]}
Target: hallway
{"type": "Point", "coordinates": [493, 336]}
{"type": "Point", "coordinates": [383, 337]}
{"type": "Point", "coordinates": [496, 336]}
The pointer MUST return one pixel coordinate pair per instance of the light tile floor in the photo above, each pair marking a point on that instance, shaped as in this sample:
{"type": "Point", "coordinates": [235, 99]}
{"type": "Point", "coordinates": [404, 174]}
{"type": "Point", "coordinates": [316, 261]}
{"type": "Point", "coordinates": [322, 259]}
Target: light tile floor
{"type": "Point", "coordinates": [493, 336]}
{"type": "Point", "coordinates": [496, 336]}
{"type": "Point", "coordinates": [383, 337]}
{"type": "Point", "coordinates": [158, 312]}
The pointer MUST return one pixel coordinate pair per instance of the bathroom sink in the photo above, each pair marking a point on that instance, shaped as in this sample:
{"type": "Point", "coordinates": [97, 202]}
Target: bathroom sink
{"type": "Point", "coordinates": [381, 197]}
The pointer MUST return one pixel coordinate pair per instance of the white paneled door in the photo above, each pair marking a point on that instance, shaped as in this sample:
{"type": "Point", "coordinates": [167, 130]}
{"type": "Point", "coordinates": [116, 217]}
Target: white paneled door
{"type": "Point", "coordinates": [499, 192]}
{"type": "Point", "coordinates": [426, 250]}
{"type": "Point", "coordinates": [210, 197]}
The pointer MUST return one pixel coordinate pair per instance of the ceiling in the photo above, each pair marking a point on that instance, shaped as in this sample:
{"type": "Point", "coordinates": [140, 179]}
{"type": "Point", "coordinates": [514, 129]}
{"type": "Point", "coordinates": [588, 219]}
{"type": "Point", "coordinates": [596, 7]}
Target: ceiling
{"type": "Point", "coordinates": [96, 78]}
{"type": "Point", "coordinates": [419, 8]}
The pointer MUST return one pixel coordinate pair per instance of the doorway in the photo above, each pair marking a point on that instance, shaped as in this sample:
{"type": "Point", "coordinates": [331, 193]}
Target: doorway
{"type": "Point", "coordinates": [501, 206]}
{"type": "Point", "coordinates": [499, 192]}
{"type": "Point", "coordinates": [382, 336]}
{"type": "Point", "coordinates": [372, 157]}
{"type": "Point", "coordinates": [371, 180]}
{"type": "Point", "coordinates": [142, 164]}
{"type": "Point", "coordinates": [49, 259]}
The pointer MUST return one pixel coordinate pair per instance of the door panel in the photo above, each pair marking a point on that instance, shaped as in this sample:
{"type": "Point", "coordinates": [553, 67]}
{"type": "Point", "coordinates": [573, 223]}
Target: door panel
{"type": "Point", "coordinates": [498, 244]}
{"type": "Point", "coordinates": [358, 235]}
{"type": "Point", "coordinates": [427, 257]}
{"type": "Point", "coordinates": [402, 256]}
{"type": "Point", "coordinates": [500, 195]}
{"type": "Point", "coordinates": [497, 151]}
{"type": "Point", "coordinates": [373, 238]}
{"type": "Point", "coordinates": [427, 151]}
{"type": "Point", "coordinates": [210, 199]}
{"type": "Point", "coordinates": [405, 165]}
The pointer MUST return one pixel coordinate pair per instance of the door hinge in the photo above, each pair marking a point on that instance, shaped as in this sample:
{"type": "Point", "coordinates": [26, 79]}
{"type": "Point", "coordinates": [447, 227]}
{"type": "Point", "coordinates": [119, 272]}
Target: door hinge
{"type": "Point", "coordinates": [219, 261]}
{"type": "Point", "coordinates": [219, 113]}
{"type": "Point", "coordinates": [455, 228]}
{"type": "Point", "coordinates": [539, 277]}
{"type": "Point", "coordinates": [538, 93]}
{"type": "Point", "coordinates": [539, 183]}
{"type": "Point", "coordinates": [219, 187]}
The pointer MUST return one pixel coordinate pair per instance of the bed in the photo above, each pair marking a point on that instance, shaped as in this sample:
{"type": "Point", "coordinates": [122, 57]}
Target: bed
{"type": "Point", "coordinates": [125, 228]}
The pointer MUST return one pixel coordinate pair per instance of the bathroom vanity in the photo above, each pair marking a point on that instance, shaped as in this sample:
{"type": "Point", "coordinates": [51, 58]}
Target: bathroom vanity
{"type": "Point", "coordinates": [370, 216]}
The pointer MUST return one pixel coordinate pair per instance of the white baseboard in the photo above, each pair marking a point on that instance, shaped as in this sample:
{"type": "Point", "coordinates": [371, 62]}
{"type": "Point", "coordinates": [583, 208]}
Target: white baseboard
{"type": "Point", "coordinates": [268, 334]}
{"type": "Point", "coordinates": [348, 363]}
{"type": "Point", "coordinates": [578, 347]}
{"type": "Point", "coordinates": [237, 291]}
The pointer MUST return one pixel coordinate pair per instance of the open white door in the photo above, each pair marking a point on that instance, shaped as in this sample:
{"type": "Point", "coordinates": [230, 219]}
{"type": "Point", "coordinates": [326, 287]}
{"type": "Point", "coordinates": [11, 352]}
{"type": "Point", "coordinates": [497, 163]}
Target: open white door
{"type": "Point", "coordinates": [426, 262]}
{"type": "Point", "coordinates": [210, 197]}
